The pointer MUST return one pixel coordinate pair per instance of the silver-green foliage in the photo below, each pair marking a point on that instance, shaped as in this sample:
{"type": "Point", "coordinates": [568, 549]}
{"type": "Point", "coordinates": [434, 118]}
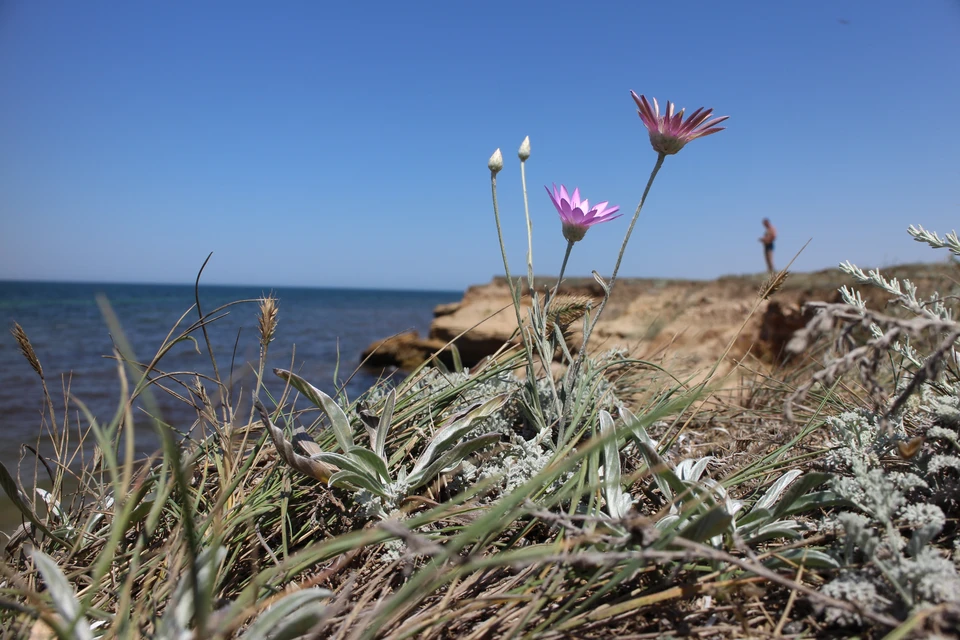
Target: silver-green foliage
{"type": "Point", "coordinates": [365, 470]}
{"type": "Point", "coordinates": [701, 508]}
{"type": "Point", "coordinates": [65, 601]}
{"type": "Point", "coordinates": [891, 532]}
{"type": "Point", "coordinates": [891, 541]}
{"type": "Point", "coordinates": [292, 616]}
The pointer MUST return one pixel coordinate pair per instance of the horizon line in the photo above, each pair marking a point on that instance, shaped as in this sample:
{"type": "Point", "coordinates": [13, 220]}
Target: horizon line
{"type": "Point", "coordinates": [492, 278]}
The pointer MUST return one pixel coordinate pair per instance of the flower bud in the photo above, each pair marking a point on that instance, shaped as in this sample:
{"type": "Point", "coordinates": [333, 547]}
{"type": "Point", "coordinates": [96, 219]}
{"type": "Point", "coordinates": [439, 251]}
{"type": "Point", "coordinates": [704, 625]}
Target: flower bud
{"type": "Point", "coordinates": [524, 152]}
{"type": "Point", "coordinates": [495, 163]}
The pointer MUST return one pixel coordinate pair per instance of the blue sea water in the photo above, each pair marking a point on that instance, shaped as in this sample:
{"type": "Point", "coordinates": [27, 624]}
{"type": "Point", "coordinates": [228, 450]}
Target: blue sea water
{"type": "Point", "coordinates": [317, 329]}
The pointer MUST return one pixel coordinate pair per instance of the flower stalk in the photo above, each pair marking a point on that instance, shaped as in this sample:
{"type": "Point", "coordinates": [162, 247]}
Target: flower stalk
{"type": "Point", "coordinates": [495, 165]}
{"type": "Point", "coordinates": [589, 326]}
{"type": "Point", "coordinates": [514, 294]}
{"type": "Point", "coordinates": [524, 154]}
{"type": "Point", "coordinates": [563, 268]}
{"type": "Point", "coordinates": [623, 249]}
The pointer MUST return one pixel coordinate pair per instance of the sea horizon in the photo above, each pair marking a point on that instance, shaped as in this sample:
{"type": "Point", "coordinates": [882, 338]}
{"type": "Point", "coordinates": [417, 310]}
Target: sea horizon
{"type": "Point", "coordinates": [267, 288]}
{"type": "Point", "coordinates": [882, 265]}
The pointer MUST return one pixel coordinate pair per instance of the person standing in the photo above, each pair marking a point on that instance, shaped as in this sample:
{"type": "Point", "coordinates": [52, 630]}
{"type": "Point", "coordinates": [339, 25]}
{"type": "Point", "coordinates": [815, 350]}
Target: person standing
{"type": "Point", "coordinates": [767, 239]}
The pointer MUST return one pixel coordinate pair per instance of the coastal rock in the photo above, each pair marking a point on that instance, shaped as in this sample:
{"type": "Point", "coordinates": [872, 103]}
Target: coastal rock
{"type": "Point", "coordinates": [684, 325]}
{"type": "Point", "coordinates": [404, 351]}
{"type": "Point", "coordinates": [445, 309]}
{"type": "Point", "coordinates": [480, 324]}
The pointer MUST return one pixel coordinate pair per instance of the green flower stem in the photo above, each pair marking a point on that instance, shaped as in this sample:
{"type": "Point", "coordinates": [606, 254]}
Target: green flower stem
{"type": "Point", "coordinates": [503, 248]}
{"type": "Point", "coordinates": [526, 210]}
{"type": "Point", "coordinates": [506, 268]}
{"type": "Point", "coordinates": [563, 268]}
{"type": "Point", "coordinates": [623, 249]}
{"type": "Point", "coordinates": [574, 369]}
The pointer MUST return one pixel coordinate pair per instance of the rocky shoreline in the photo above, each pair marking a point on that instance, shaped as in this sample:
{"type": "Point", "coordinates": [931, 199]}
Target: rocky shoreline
{"type": "Point", "coordinates": [687, 324]}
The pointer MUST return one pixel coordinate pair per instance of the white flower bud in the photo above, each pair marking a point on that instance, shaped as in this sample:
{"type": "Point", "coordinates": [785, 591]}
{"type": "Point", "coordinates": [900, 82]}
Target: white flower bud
{"type": "Point", "coordinates": [524, 152]}
{"type": "Point", "coordinates": [496, 162]}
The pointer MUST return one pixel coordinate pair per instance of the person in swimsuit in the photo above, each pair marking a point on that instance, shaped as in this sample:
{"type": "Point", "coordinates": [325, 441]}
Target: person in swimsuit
{"type": "Point", "coordinates": [767, 240]}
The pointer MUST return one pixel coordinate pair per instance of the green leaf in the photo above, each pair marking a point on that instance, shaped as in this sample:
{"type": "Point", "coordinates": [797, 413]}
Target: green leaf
{"type": "Point", "coordinates": [371, 461]}
{"type": "Point", "coordinates": [754, 519]}
{"type": "Point", "coordinates": [691, 470]}
{"type": "Point", "coordinates": [52, 505]}
{"type": "Point", "coordinates": [669, 483]}
{"type": "Point", "coordinates": [386, 418]}
{"type": "Point", "coordinates": [635, 426]}
{"type": "Point", "coordinates": [457, 360]}
{"type": "Point", "coordinates": [349, 479]}
{"type": "Point", "coordinates": [818, 500]}
{"type": "Point", "coordinates": [338, 419]}
{"type": "Point", "coordinates": [712, 523]}
{"type": "Point", "coordinates": [180, 609]}
{"type": "Point", "coordinates": [142, 510]}
{"type": "Point", "coordinates": [792, 498]}
{"type": "Point", "coordinates": [778, 529]}
{"type": "Point", "coordinates": [64, 598]}
{"type": "Point", "coordinates": [9, 486]}
{"type": "Point", "coordinates": [348, 463]}
{"type": "Point", "coordinates": [668, 522]}
{"type": "Point", "coordinates": [100, 509]}
{"type": "Point", "coordinates": [773, 493]}
{"type": "Point", "coordinates": [767, 510]}
{"type": "Point", "coordinates": [613, 492]}
{"type": "Point", "coordinates": [293, 616]}
{"type": "Point", "coordinates": [451, 459]}
{"type": "Point", "coordinates": [455, 429]}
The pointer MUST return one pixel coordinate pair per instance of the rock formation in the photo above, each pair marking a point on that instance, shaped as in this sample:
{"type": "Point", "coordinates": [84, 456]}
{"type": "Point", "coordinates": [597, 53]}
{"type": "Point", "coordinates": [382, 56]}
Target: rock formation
{"type": "Point", "coordinates": [684, 324]}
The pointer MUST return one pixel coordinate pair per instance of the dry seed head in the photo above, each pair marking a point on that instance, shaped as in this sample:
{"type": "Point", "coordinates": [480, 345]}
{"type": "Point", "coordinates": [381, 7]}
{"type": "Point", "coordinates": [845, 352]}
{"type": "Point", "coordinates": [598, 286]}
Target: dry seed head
{"type": "Point", "coordinates": [268, 319]}
{"type": "Point", "coordinates": [565, 310]}
{"type": "Point", "coordinates": [26, 348]}
{"type": "Point", "coordinates": [772, 284]}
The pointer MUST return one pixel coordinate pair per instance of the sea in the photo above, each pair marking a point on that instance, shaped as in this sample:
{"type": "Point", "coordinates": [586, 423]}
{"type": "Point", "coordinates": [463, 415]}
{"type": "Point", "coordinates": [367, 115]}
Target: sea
{"type": "Point", "coordinates": [320, 334]}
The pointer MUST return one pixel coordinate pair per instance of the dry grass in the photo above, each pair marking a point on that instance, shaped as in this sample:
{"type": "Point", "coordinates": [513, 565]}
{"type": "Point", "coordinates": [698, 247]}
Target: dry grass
{"type": "Point", "coordinates": [545, 560]}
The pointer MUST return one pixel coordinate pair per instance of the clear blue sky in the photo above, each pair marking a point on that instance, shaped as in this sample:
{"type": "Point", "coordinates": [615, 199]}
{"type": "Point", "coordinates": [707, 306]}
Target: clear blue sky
{"type": "Point", "coordinates": [345, 144]}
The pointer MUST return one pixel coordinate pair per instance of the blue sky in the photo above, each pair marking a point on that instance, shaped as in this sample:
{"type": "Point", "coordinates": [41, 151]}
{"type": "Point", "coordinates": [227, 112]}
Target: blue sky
{"type": "Point", "coordinates": [322, 144]}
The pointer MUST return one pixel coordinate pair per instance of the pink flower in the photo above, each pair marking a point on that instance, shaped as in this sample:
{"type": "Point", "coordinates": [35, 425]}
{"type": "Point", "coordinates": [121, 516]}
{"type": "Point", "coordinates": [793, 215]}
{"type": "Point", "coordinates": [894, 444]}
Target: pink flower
{"type": "Point", "coordinates": [576, 215]}
{"type": "Point", "coordinates": [669, 133]}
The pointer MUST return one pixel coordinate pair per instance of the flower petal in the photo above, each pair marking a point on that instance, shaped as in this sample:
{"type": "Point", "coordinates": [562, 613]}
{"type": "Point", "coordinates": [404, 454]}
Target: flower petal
{"type": "Point", "coordinates": [716, 121]}
{"type": "Point", "coordinates": [672, 130]}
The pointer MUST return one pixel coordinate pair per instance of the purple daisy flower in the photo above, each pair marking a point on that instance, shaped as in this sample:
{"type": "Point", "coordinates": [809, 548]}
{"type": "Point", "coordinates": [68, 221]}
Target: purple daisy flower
{"type": "Point", "coordinates": [577, 215]}
{"type": "Point", "coordinates": [669, 133]}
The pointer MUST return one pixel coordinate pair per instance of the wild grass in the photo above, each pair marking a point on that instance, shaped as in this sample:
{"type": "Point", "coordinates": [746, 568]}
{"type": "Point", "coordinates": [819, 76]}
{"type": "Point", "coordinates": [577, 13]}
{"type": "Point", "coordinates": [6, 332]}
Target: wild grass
{"type": "Point", "coordinates": [612, 500]}
{"type": "Point", "coordinates": [695, 512]}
